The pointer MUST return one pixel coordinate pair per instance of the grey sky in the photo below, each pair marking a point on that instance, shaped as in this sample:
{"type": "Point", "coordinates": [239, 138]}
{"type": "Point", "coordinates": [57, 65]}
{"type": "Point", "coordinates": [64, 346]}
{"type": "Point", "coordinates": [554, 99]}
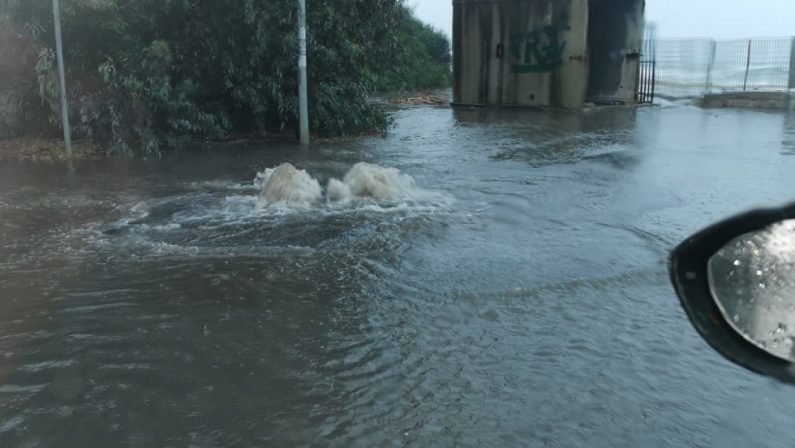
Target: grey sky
{"type": "Point", "coordinates": [721, 19]}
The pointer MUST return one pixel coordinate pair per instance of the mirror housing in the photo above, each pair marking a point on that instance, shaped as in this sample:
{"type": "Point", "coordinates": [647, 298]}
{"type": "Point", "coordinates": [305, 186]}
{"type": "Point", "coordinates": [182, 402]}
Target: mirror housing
{"type": "Point", "coordinates": [688, 267]}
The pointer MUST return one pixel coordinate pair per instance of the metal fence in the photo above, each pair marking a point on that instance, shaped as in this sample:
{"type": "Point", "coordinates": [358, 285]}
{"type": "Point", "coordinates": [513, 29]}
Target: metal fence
{"type": "Point", "coordinates": [696, 67]}
{"type": "Point", "coordinates": [647, 68]}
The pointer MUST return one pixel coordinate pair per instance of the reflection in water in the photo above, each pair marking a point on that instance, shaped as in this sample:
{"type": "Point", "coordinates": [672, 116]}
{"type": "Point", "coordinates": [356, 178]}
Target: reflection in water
{"type": "Point", "coordinates": [553, 136]}
{"type": "Point", "coordinates": [753, 281]}
{"type": "Point", "coordinates": [788, 144]}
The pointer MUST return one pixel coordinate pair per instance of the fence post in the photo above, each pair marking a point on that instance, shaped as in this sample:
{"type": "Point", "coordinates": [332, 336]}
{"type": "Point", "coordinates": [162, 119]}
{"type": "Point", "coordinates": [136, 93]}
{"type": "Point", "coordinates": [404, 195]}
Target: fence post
{"type": "Point", "coordinates": [792, 66]}
{"type": "Point", "coordinates": [747, 67]}
{"type": "Point", "coordinates": [711, 66]}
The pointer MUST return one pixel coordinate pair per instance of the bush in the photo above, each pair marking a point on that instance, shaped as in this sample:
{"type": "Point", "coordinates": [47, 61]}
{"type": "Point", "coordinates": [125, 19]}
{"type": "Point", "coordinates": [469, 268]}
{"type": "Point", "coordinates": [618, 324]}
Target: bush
{"type": "Point", "coordinates": [423, 57]}
{"type": "Point", "coordinates": [144, 73]}
{"type": "Point", "coordinates": [20, 111]}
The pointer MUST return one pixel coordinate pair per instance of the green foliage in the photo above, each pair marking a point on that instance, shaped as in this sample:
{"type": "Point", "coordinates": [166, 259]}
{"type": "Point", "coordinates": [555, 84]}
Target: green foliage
{"type": "Point", "coordinates": [424, 57]}
{"type": "Point", "coordinates": [144, 73]}
{"type": "Point", "coordinates": [20, 110]}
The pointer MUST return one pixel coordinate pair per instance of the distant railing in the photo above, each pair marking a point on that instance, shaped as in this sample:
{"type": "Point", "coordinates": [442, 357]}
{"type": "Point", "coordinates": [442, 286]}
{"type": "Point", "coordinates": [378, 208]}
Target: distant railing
{"type": "Point", "coordinates": [696, 67]}
{"type": "Point", "coordinates": [647, 67]}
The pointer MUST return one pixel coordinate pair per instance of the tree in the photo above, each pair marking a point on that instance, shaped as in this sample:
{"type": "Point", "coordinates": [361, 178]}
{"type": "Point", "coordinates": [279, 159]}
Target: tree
{"type": "Point", "coordinates": [144, 73]}
{"type": "Point", "coordinates": [423, 57]}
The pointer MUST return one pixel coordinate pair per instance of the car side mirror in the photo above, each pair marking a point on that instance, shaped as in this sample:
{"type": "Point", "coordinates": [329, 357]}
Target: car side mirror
{"type": "Point", "coordinates": [736, 282]}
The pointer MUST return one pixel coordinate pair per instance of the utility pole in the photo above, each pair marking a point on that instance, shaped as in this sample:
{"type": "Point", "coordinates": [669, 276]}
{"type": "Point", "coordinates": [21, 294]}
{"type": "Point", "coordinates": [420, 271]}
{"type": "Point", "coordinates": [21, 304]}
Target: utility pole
{"type": "Point", "coordinates": [303, 94]}
{"type": "Point", "coordinates": [67, 137]}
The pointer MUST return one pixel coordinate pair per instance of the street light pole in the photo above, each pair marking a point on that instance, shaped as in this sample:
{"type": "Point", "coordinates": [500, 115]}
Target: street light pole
{"type": "Point", "coordinates": [303, 94]}
{"type": "Point", "coordinates": [67, 137]}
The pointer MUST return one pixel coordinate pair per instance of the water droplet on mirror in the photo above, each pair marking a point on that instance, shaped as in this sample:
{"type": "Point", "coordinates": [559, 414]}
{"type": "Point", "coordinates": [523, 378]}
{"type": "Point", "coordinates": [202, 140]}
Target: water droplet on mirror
{"type": "Point", "coordinates": [737, 318]}
{"type": "Point", "coordinates": [737, 262]}
{"type": "Point", "coordinates": [762, 285]}
{"type": "Point", "coordinates": [760, 273]}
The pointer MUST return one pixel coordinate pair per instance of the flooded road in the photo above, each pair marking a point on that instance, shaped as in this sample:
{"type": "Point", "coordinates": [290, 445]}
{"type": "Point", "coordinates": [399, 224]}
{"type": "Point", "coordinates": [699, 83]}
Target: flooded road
{"type": "Point", "coordinates": [522, 300]}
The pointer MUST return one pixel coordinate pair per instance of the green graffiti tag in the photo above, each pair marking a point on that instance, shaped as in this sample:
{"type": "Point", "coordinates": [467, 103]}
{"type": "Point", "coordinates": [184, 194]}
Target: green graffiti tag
{"type": "Point", "coordinates": [541, 49]}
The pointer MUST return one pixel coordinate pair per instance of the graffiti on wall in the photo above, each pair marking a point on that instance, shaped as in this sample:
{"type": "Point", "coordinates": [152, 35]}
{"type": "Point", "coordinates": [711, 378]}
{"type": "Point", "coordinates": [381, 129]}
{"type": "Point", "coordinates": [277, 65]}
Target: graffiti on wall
{"type": "Point", "coordinates": [541, 49]}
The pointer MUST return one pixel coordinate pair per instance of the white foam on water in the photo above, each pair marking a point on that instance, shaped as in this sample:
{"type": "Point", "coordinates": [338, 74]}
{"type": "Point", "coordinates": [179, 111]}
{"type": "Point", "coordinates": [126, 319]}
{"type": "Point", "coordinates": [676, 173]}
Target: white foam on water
{"type": "Point", "coordinates": [11, 424]}
{"type": "Point", "coordinates": [371, 181]}
{"type": "Point", "coordinates": [206, 222]}
{"type": "Point", "coordinates": [338, 191]}
{"type": "Point", "coordinates": [139, 211]}
{"type": "Point", "coordinates": [674, 102]}
{"type": "Point", "coordinates": [215, 185]}
{"type": "Point", "coordinates": [286, 184]}
{"type": "Point", "coordinates": [366, 186]}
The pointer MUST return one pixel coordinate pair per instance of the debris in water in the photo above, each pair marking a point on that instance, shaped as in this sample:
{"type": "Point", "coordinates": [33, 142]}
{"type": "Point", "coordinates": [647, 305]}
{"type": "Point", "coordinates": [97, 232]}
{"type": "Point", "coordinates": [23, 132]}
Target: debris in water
{"type": "Point", "coordinates": [424, 100]}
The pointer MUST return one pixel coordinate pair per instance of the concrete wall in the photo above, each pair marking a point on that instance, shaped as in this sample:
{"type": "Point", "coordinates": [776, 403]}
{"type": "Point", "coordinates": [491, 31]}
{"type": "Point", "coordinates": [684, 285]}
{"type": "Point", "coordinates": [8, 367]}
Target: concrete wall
{"type": "Point", "coordinates": [750, 100]}
{"type": "Point", "coordinates": [537, 52]}
{"type": "Point", "coordinates": [520, 52]}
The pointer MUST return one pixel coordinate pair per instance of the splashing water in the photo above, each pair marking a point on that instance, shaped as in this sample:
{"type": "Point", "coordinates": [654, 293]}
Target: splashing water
{"type": "Point", "coordinates": [287, 185]}
{"type": "Point", "coordinates": [366, 180]}
{"type": "Point", "coordinates": [284, 208]}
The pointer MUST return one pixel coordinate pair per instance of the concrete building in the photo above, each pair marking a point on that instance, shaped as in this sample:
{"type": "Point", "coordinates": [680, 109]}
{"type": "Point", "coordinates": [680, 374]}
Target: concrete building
{"type": "Point", "coordinates": [557, 53]}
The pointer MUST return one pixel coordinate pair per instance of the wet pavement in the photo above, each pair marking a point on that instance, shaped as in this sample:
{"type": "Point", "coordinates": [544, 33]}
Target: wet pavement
{"type": "Point", "coordinates": [523, 300]}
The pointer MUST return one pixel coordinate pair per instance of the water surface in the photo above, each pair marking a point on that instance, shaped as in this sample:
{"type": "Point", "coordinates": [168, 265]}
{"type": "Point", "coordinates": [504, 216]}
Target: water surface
{"type": "Point", "coordinates": [525, 302]}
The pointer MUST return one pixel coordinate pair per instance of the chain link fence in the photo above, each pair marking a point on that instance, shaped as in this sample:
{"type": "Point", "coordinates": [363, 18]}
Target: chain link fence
{"type": "Point", "coordinates": [696, 67]}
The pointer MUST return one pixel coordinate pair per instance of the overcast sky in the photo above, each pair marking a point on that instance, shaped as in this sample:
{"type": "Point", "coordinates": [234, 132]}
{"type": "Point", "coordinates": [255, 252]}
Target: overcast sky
{"type": "Point", "coordinates": [721, 19]}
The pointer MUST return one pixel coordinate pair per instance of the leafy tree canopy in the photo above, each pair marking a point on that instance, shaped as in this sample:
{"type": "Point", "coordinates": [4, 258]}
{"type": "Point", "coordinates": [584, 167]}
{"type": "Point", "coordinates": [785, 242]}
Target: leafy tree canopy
{"type": "Point", "coordinates": [144, 73]}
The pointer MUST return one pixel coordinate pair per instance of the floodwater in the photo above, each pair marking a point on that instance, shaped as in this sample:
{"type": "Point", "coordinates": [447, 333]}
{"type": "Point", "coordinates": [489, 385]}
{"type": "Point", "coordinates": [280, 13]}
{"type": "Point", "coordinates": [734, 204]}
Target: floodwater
{"type": "Point", "coordinates": [521, 301]}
